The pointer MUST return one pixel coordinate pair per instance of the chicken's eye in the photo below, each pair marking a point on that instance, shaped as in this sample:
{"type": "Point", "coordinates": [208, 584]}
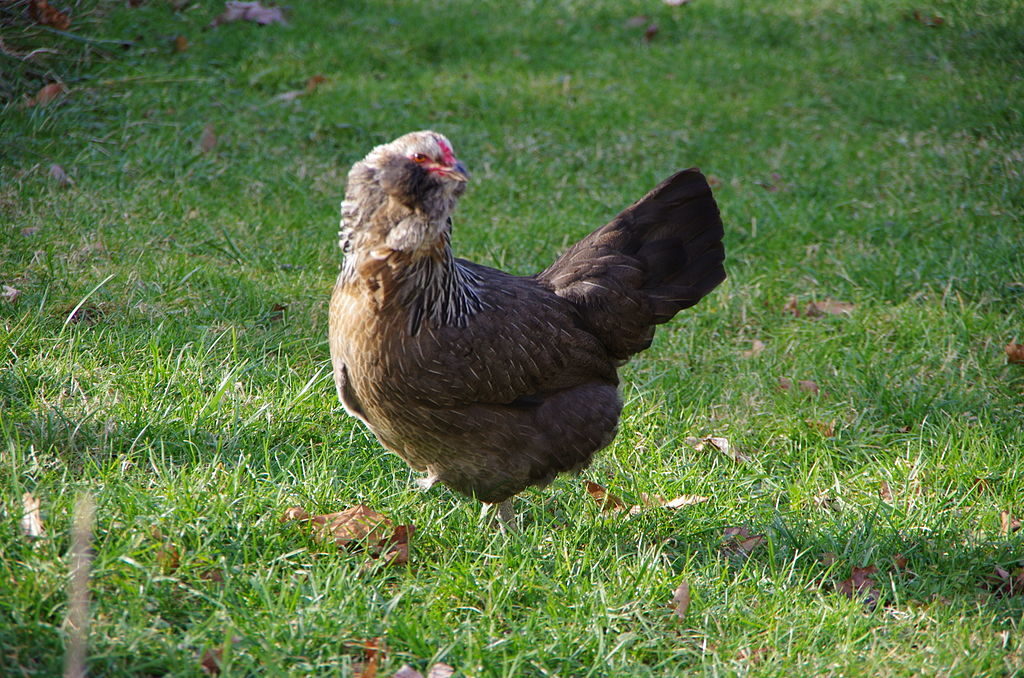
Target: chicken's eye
{"type": "Point", "coordinates": [419, 157]}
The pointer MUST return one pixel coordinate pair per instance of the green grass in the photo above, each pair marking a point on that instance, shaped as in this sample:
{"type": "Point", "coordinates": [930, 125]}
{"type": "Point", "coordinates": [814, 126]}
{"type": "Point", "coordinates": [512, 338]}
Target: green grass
{"type": "Point", "coordinates": [185, 400]}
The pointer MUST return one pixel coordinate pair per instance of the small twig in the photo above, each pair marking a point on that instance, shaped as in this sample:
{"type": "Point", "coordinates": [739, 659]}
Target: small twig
{"type": "Point", "coordinates": [78, 590]}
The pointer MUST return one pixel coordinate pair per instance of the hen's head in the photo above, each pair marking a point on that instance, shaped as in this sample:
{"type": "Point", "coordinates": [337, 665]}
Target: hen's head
{"type": "Point", "coordinates": [419, 170]}
{"type": "Point", "coordinates": [401, 195]}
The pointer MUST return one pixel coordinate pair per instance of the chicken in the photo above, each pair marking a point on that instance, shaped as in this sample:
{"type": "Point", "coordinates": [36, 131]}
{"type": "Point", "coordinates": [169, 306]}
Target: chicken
{"type": "Point", "coordinates": [489, 382]}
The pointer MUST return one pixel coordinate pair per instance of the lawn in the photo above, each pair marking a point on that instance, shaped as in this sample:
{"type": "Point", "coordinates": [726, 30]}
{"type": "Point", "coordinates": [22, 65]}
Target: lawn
{"type": "Point", "coordinates": [163, 338]}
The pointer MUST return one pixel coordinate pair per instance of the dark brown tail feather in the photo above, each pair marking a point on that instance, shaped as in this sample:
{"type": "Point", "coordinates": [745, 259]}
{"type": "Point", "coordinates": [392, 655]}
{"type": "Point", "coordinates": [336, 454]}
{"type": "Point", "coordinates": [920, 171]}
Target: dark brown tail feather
{"type": "Point", "coordinates": [661, 255]}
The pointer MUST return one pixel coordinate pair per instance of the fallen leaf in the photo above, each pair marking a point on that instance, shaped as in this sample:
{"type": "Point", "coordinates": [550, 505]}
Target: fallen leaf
{"type": "Point", "coordinates": [46, 94]}
{"type": "Point", "coordinates": [808, 386]}
{"type": "Point", "coordinates": [58, 174]}
{"type": "Point", "coordinates": [314, 82]}
{"type": "Point", "coordinates": [31, 519]}
{"type": "Point", "coordinates": [717, 443]}
{"type": "Point", "coordinates": [212, 575]}
{"type": "Point", "coordinates": [884, 492]}
{"type": "Point", "coordinates": [825, 428]}
{"type": "Point", "coordinates": [860, 579]}
{"type": "Point", "coordinates": [210, 661]}
{"type": "Point", "coordinates": [168, 558]}
{"type": "Point", "coordinates": [395, 549]}
{"type": "Point", "coordinates": [650, 32]}
{"type": "Point", "coordinates": [929, 20]}
{"type": "Point", "coordinates": [900, 561]}
{"type": "Point", "coordinates": [756, 348]}
{"type": "Point", "coordinates": [1007, 523]}
{"type": "Point", "coordinates": [407, 671]}
{"type": "Point", "coordinates": [208, 139]}
{"type": "Point", "coordinates": [681, 599]}
{"type": "Point", "coordinates": [43, 13]}
{"type": "Point", "coordinates": [355, 524]}
{"type": "Point", "coordinates": [1003, 584]}
{"type": "Point", "coordinates": [775, 185]}
{"type": "Point", "coordinates": [684, 500]}
{"type": "Point", "coordinates": [440, 670]}
{"type": "Point", "coordinates": [10, 294]}
{"type": "Point", "coordinates": [249, 11]}
{"type": "Point", "coordinates": [785, 383]}
{"type": "Point", "coordinates": [739, 540]}
{"type": "Point", "coordinates": [368, 668]}
{"type": "Point", "coordinates": [791, 307]}
{"type": "Point", "coordinates": [817, 309]}
{"type": "Point", "coordinates": [1015, 353]}
{"type": "Point", "coordinates": [606, 501]}
{"type": "Point", "coordinates": [294, 513]}
{"type": "Point", "coordinates": [277, 313]}
{"type": "Point", "coordinates": [87, 313]}
{"type": "Point", "coordinates": [180, 43]}
{"type": "Point", "coordinates": [753, 656]}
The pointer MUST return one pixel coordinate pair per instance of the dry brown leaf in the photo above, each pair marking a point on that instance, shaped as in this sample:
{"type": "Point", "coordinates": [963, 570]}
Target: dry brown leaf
{"type": "Point", "coordinates": [1007, 523]}
{"type": "Point", "coordinates": [651, 31]}
{"type": "Point", "coordinates": [294, 513]}
{"type": "Point", "coordinates": [825, 428]}
{"type": "Point", "coordinates": [58, 174]}
{"type": "Point", "coordinates": [395, 549]}
{"type": "Point", "coordinates": [10, 294]}
{"type": "Point", "coordinates": [739, 540]}
{"type": "Point", "coordinates": [860, 579]}
{"type": "Point", "coordinates": [1015, 353]}
{"type": "Point", "coordinates": [719, 444]}
{"type": "Point", "coordinates": [785, 383]}
{"type": "Point", "coordinates": [212, 575]}
{"type": "Point", "coordinates": [816, 309]}
{"type": "Point", "coordinates": [46, 94]}
{"type": "Point", "coordinates": [210, 661]}
{"type": "Point", "coordinates": [756, 348]}
{"type": "Point", "coordinates": [168, 558]}
{"type": "Point", "coordinates": [1003, 584]}
{"type": "Point", "coordinates": [249, 11]}
{"type": "Point", "coordinates": [208, 139]}
{"type": "Point", "coordinates": [314, 82]}
{"type": "Point", "coordinates": [808, 386]}
{"type": "Point", "coordinates": [440, 670]}
{"type": "Point", "coordinates": [42, 12]}
{"type": "Point", "coordinates": [681, 599]}
{"type": "Point", "coordinates": [684, 500]}
{"type": "Point", "coordinates": [407, 671]}
{"type": "Point", "coordinates": [31, 519]}
{"type": "Point", "coordinates": [930, 20]}
{"type": "Point", "coordinates": [606, 501]}
{"type": "Point", "coordinates": [791, 307]}
{"type": "Point", "coordinates": [884, 492]}
{"type": "Point", "coordinates": [180, 43]}
{"type": "Point", "coordinates": [775, 185]}
{"type": "Point", "coordinates": [900, 562]}
{"type": "Point", "coordinates": [356, 524]}
{"type": "Point", "coordinates": [368, 668]}
{"type": "Point", "coordinates": [753, 656]}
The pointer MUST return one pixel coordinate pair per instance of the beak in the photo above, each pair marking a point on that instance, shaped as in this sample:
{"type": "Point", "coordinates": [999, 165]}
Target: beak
{"type": "Point", "coordinates": [458, 172]}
